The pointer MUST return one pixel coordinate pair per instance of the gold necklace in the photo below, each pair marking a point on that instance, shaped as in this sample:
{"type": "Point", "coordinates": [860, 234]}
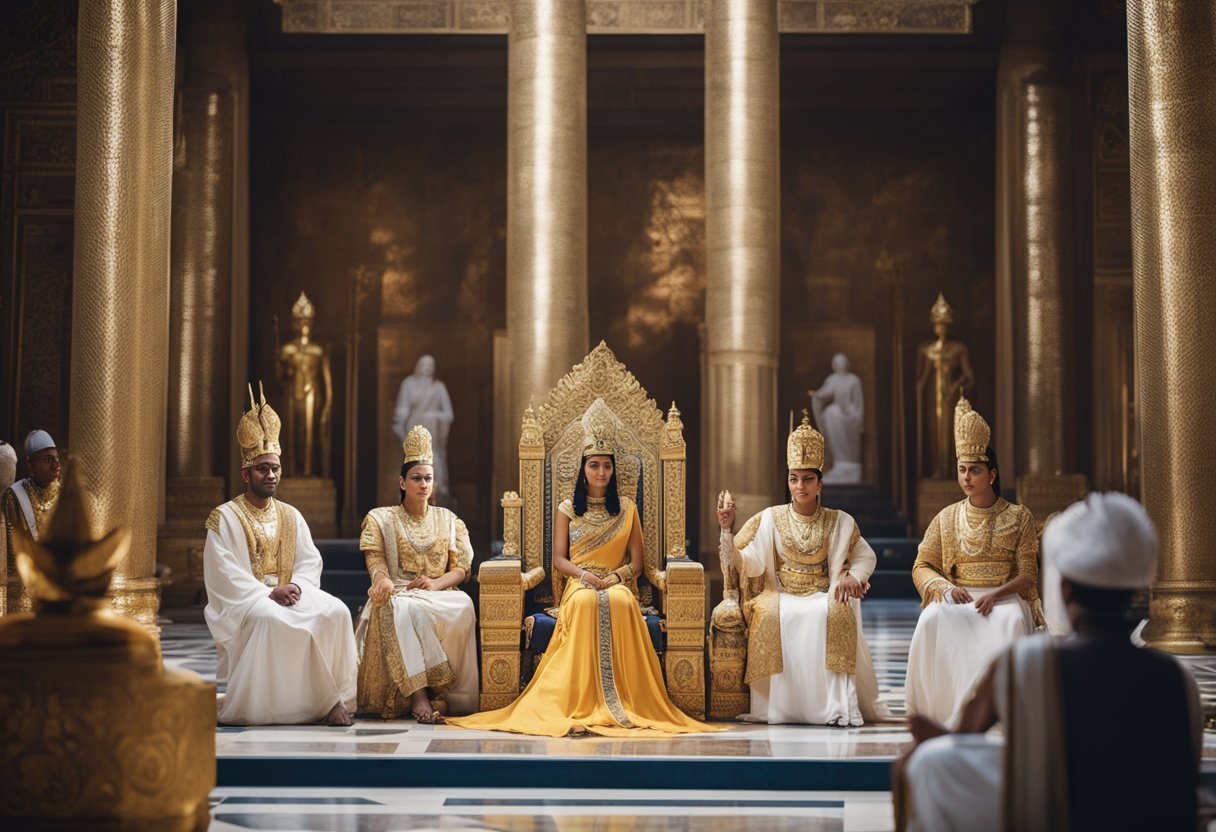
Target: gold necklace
{"type": "Point", "coordinates": [968, 534]}
{"type": "Point", "coordinates": [258, 519]}
{"type": "Point", "coordinates": [807, 533]}
{"type": "Point", "coordinates": [421, 532]}
{"type": "Point", "coordinates": [42, 500]}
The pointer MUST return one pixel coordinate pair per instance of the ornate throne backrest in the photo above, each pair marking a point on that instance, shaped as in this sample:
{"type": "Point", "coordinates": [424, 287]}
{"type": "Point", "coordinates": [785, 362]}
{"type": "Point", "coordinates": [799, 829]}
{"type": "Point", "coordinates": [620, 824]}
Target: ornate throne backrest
{"type": "Point", "coordinates": [600, 391]}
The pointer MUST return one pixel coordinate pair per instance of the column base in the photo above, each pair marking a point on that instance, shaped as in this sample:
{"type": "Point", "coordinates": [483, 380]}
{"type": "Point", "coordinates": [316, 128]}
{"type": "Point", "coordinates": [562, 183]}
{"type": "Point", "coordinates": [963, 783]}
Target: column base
{"type": "Point", "coordinates": [317, 500]}
{"type": "Point", "coordinates": [139, 600]}
{"type": "Point", "coordinates": [1047, 494]}
{"type": "Point", "coordinates": [931, 497]}
{"type": "Point", "coordinates": [179, 545]}
{"type": "Point", "coordinates": [1182, 617]}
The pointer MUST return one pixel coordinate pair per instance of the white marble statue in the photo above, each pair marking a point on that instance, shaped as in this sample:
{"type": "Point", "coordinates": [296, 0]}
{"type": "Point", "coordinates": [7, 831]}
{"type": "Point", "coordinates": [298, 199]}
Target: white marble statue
{"type": "Point", "coordinates": [839, 407]}
{"type": "Point", "coordinates": [423, 400]}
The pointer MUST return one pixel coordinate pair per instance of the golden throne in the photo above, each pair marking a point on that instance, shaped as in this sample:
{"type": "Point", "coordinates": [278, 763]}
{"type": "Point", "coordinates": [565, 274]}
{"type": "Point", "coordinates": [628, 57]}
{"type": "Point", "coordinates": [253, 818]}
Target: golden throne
{"type": "Point", "coordinates": [518, 586]}
{"type": "Point", "coordinates": [728, 693]}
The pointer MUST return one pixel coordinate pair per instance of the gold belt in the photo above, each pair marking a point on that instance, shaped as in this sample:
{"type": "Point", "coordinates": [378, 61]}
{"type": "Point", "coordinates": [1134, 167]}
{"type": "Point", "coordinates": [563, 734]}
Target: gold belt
{"type": "Point", "coordinates": [983, 573]}
{"type": "Point", "coordinates": [804, 581]}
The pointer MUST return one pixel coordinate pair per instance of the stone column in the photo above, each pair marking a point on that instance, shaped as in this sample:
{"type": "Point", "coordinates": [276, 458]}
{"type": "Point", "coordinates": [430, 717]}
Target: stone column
{"type": "Point", "coordinates": [202, 290]}
{"type": "Point", "coordinates": [546, 196]}
{"type": "Point", "coordinates": [120, 287]}
{"type": "Point", "coordinates": [1172, 80]}
{"type": "Point", "coordinates": [1034, 261]}
{"type": "Point", "coordinates": [742, 232]}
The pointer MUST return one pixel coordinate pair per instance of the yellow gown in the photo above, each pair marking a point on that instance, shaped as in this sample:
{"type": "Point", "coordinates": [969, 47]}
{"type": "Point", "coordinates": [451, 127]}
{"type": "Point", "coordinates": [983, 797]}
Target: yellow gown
{"type": "Point", "coordinates": [600, 673]}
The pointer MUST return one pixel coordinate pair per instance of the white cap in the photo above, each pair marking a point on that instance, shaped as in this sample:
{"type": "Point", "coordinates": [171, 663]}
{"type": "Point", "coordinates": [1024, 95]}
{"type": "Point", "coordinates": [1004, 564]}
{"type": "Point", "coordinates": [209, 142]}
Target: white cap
{"type": "Point", "coordinates": [38, 440]}
{"type": "Point", "coordinates": [1105, 541]}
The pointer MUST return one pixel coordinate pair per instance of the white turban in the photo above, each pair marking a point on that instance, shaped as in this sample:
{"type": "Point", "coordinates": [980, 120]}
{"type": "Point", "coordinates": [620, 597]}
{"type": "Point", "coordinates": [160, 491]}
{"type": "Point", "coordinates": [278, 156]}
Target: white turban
{"type": "Point", "coordinates": [38, 440]}
{"type": "Point", "coordinates": [1106, 541]}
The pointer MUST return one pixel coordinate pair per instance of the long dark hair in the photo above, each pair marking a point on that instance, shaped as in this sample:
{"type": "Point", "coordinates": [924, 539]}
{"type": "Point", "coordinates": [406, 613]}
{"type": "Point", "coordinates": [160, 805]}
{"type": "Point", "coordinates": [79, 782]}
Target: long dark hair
{"type": "Point", "coordinates": [404, 470]}
{"type": "Point", "coordinates": [612, 499]}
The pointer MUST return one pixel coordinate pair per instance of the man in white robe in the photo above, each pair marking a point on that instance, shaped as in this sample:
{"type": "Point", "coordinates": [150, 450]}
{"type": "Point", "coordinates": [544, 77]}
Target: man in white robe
{"type": "Point", "coordinates": [285, 648]}
{"type": "Point", "coordinates": [1099, 734]}
{"type": "Point", "coordinates": [803, 569]}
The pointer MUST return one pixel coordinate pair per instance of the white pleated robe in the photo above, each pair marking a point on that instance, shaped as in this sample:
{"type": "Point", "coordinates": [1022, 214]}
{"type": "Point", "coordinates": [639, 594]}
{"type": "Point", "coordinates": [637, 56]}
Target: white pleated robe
{"type": "Point", "coordinates": [282, 665]}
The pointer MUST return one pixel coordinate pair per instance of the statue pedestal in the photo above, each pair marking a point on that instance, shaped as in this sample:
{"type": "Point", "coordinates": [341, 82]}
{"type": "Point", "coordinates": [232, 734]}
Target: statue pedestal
{"type": "Point", "coordinates": [843, 473]}
{"type": "Point", "coordinates": [931, 497]}
{"type": "Point", "coordinates": [188, 501]}
{"type": "Point", "coordinates": [316, 499]}
{"type": "Point", "coordinates": [1045, 494]}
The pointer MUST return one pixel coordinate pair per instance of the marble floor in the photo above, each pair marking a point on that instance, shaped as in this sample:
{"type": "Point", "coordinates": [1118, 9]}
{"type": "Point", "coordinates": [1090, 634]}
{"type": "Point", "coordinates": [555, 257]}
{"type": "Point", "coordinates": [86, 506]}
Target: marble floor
{"type": "Point", "coordinates": [398, 775]}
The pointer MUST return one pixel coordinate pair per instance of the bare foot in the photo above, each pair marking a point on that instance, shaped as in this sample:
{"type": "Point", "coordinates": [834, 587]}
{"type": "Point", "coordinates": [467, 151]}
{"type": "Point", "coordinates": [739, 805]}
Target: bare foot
{"type": "Point", "coordinates": [338, 715]}
{"type": "Point", "coordinates": [422, 709]}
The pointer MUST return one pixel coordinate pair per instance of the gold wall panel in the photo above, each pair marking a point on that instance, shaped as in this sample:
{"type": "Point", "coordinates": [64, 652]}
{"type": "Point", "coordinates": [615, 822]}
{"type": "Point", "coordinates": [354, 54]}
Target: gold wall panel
{"type": "Point", "coordinates": [607, 17]}
{"type": "Point", "coordinates": [1173, 174]}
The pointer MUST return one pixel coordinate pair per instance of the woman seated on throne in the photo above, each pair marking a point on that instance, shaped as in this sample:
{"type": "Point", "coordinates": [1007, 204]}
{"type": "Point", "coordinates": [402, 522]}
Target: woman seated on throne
{"type": "Point", "coordinates": [807, 657]}
{"type": "Point", "coordinates": [417, 637]}
{"type": "Point", "coordinates": [600, 673]}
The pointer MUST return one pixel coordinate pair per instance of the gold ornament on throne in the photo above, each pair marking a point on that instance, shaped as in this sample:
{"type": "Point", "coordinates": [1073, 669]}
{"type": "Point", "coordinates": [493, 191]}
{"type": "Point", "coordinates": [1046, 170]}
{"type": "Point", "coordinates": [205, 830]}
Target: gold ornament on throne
{"type": "Point", "coordinates": [73, 670]}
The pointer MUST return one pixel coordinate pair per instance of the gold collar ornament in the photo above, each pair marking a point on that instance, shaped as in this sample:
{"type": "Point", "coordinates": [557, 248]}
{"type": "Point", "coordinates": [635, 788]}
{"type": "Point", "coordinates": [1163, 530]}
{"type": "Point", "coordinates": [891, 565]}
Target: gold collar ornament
{"type": "Point", "coordinates": [599, 442]}
{"type": "Point", "coordinates": [258, 431]}
{"type": "Point", "coordinates": [804, 449]}
{"type": "Point", "coordinates": [417, 446]}
{"type": "Point", "coordinates": [971, 433]}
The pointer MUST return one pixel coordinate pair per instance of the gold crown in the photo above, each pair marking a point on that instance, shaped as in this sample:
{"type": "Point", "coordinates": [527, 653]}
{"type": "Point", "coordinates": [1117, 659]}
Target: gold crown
{"type": "Point", "coordinates": [417, 446]}
{"type": "Point", "coordinates": [805, 447]}
{"type": "Point", "coordinates": [971, 433]}
{"type": "Point", "coordinates": [303, 308]}
{"type": "Point", "coordinates": [258, 431]}
{"type": "Point", "coordinates": [599, 442]}
{"type": "Point", "coordinates": [941, 313]}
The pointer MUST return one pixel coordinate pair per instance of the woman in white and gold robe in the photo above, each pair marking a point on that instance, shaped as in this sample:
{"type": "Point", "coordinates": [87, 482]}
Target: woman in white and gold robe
{"type": "Point", "coordinates": [807, 567]}
{"type": "Point", "coordinates": [417, 635]}
{"type": "Point", "coordinates": [977, 574]}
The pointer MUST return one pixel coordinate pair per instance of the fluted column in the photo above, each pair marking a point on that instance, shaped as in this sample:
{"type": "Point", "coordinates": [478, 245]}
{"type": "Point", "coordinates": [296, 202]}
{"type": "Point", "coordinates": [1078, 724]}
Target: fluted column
{"type": "Point", "coordinates": [120, 288]}
{"type": "Point", "coordinates": [742, 227]}
{"type": "Point", "coordinates": [1034, 262]}
{"type": "Point", "coordinates": [546, 195]}
{"type": "Point", "coordinates": [1172, 81]}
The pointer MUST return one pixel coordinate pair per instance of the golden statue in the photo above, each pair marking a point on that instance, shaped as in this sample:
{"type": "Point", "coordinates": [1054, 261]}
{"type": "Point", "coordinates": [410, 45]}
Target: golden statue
{"type": "Point", "coordinates": [304, 371]}
{"type": "Point", "coordinates": [943, 374]}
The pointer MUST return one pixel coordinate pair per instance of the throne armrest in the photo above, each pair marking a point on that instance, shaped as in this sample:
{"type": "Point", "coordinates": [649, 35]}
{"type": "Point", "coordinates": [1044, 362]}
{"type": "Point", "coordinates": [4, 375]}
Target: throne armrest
{"type": "Point", "coordinates": [684, 603]}
{"type": "Point", "coordinates": [501, 619]}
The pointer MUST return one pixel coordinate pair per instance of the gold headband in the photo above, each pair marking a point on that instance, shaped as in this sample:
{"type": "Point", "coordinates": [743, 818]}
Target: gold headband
{"type": "Point", "coordinates": [599, 442]}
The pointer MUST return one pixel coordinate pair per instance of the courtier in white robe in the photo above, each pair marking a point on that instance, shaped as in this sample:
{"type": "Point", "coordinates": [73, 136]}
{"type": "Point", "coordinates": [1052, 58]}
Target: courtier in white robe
{"type": "Point", "coordinates": [807, 657]}
{"type": "Point", "coordinates": [978, 549]}
{"type": "Point", "coordinates": [282, 665]}
{"type": "Point", "coordinates": [419, 638]}
{"type": "Point", "coordinates": [1060, 764]}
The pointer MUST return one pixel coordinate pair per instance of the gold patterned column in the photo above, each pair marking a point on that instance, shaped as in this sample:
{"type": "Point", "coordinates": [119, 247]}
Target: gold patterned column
{"type": "Point", "coordinates": [742, 227]}
{"type": "Point", "coordinates": [1035, 262]}
{"type": "Point", "coordinates": [120, 287]}
{"type": "Point", "coordinates": [546, 195]}
{"type": "Point", "coordinates": [1172, 77]}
